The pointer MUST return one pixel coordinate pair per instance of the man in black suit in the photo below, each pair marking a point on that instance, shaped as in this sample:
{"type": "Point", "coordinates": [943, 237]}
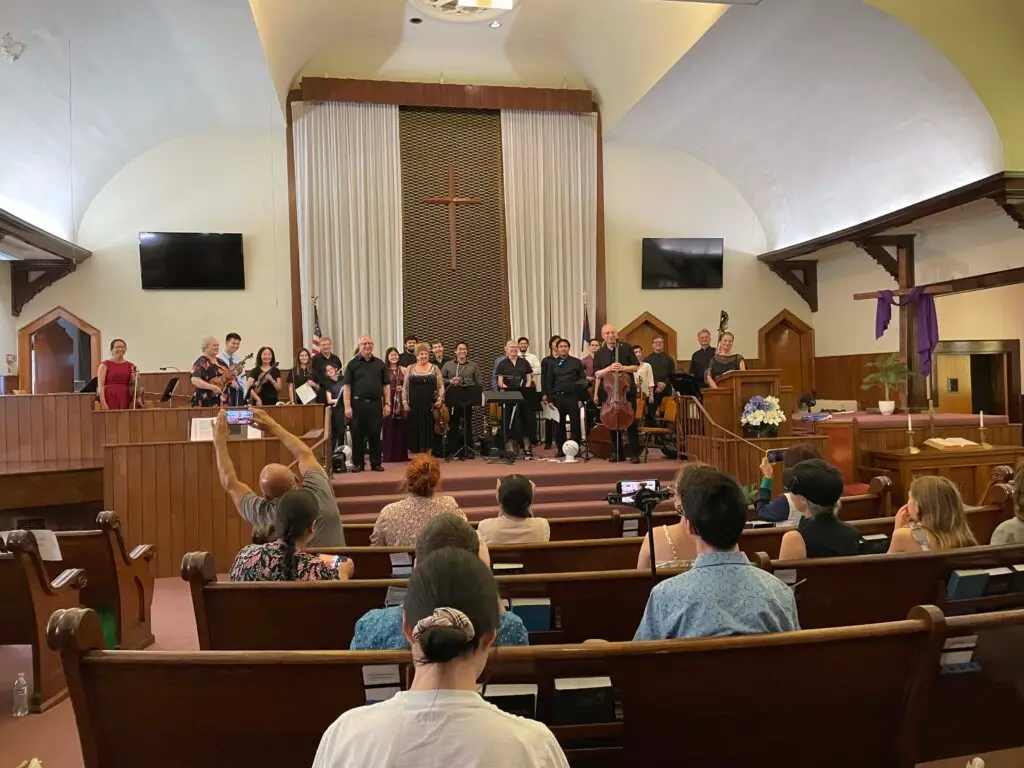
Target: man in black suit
{"type": "Point", "coordinates": [614, 357]}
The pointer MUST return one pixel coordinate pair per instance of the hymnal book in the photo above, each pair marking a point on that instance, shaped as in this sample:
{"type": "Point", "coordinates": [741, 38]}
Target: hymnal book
{"type": "Point", "coordinates": [534, 611]}
{"type": "Point", "coordinates": [758, 524]}
{"type": "Point", "coordinates": [394, 596]}
{"type": "Point", "coordinates": [377, 695]}
{"type": "Point", "coordinates": [786, 575]}
{"type": "Point", "coordinates": [381, 681]}
{"type": "Point", "coordinates": [506, 569]}
{"type": "Point", "coordinates": [957, 651]}
{"type": "Point", "coordinates": [949, 443]}
{"type": "Point", "coordinates": [46, 543]}
{"type": "Point", "coordinates": [515, 699]}
{"type": "Point", "coordinates": [583, 700]}
{"type": "Point", "coordinates": [874, 544]}
{"type": "Point", "coordinates": [999, 581]}
{"type": "Point", "coordinates": [967, 584]}
{"type": "Point", "coordinates": [1018, 578]}
{"type": "Point", "coordinates": [401, 565]}
{"type": "Point", "coordinates": [630, 528]}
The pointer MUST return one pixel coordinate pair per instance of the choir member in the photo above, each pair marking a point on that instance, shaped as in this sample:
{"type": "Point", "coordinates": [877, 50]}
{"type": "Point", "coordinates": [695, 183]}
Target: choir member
{"type": "Point", "coordinates": [301, 374]}
{"type": "Point", "coordinates": [565, 387]}
{"type": "Point", "coordinates": [332, 396]}
{"type": "Point", "coordinates": [116, 379]}
{"type": "Point", "coordinates": [437, 355]}
{"type": "Point", "coordinates": [516, 375]}
{"type": "Point", "coordinates": [423, 391]}
{"type": "Point", "coordinates": [408, 357]}
{"type": "Point", "coordinates": [394, 429]}
{"type": "Point", "coordinates": [701, 359]}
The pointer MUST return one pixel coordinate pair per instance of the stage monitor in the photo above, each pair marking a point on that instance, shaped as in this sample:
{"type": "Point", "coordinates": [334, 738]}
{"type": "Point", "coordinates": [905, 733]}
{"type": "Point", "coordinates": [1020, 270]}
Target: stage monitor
{"type": "Point", "coordinates": [191, 261]}
{"type": "Point", "coordinates": [682, 262]}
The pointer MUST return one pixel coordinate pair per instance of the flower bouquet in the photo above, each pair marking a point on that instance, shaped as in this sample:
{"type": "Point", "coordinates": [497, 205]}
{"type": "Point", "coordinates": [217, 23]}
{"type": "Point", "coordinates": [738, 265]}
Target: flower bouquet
{"type": "Point", "coordinates": [762, 416]}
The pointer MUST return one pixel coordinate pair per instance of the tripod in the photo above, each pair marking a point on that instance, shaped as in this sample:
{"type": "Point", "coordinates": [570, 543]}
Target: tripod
{"type": "Point", "coordinates": [646, 504]}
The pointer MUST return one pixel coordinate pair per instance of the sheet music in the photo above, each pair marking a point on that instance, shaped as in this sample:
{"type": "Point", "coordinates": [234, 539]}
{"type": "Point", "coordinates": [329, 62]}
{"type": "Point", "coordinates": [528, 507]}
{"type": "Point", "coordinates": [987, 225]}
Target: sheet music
{"type": "Point", "coordinates": [306, 393]}
{"type": "Point", "coordinates": [252, 433]}
{"type": "Point", "coordinates": [46, 541]}
{"type": "Point", "coordinates": [550, 412]}
{"type": "Point", "coordinates": [201, 430]}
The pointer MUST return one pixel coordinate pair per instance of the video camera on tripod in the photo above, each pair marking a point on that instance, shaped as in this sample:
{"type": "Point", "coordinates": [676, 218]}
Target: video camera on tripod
{"type": "Point", "coordinates": [642, 494]}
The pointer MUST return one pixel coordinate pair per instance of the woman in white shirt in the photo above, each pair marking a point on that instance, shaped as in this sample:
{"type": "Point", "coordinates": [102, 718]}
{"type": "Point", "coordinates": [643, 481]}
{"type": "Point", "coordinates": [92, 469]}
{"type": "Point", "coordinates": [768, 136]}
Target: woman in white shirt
{"type": "Point", "coordinates": [450, 617]}
{"type": "Point", "coordinates": [515, 524]}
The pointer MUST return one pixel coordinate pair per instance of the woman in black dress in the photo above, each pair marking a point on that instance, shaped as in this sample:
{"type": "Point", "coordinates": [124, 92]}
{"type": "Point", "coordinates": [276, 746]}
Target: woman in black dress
{"type": "Point", "coordinates": [265, 379]}
{"type": "Point", "coordinates": [518, 421]}
{"type": "Point", "coordinates": [301, 374]}
{"type": "Point", "coordinates": [723, 361]}
{"type": "Point", "coordinates": [422, 392]}
{"type": "Point", "coordinates": [332, 390]}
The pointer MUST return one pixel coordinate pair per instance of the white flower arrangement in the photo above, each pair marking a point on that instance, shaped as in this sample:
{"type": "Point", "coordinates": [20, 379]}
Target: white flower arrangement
{"type": "Point", "coordinates": [762, 412]}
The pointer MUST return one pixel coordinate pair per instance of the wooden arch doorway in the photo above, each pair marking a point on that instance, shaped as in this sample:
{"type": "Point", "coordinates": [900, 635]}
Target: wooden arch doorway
{"type": "Point", "coordinates": [644, 328]}
{"type": "Point", "coordinates": [58, 352]}
{"type": "Point", "coordinates": [786, 342]}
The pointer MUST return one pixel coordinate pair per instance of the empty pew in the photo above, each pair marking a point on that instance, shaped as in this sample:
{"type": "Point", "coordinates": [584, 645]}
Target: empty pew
{"type": "Point", "coordinates": [198, 706]}
{"type": "Point", "coordinates": [290, 615]}
{"type": "Point", "coordinates": [977, 703]}
{"type": "Point", "coordinates": [27, 598]}
{"type": "Point", "coordinates": [119, 581]}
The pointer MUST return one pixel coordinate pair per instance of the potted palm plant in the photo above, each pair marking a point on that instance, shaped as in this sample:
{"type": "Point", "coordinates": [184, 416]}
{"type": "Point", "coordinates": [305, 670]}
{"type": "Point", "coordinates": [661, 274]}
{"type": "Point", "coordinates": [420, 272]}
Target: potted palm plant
{"type": "Point", "coordinates": [890, 372]}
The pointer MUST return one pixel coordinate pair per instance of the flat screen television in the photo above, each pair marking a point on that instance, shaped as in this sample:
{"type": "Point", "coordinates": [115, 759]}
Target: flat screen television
{"type": "Point", "coordinates": [682, 262]}
{"type": "Point", "coordinates": [191, 261]}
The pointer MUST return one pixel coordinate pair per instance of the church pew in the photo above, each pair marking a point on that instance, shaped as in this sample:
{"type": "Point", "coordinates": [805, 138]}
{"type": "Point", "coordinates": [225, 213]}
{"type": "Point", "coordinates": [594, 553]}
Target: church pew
{"type": "Point", "coordinates": [289, 615]}
{"type": "Point", "coordinates": [118, 580]}
{"type": "Point", "coordinates": [27, 598]}
{"type": "Point", "coordinates": [977, 704]}
{"type": "Point", "coordinates": [198, 707]}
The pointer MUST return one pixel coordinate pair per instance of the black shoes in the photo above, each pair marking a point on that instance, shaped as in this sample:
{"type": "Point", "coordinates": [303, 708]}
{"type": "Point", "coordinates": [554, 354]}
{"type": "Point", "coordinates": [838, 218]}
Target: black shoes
{"type": "Point", "coordinates": [376, 468]}
{"type": "Point", "coordinates": [358, 468]}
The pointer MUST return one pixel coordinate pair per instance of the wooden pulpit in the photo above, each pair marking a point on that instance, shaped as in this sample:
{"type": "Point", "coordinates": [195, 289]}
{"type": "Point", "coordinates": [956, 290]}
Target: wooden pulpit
{"type": "Point", "coordinates": [725, 404]}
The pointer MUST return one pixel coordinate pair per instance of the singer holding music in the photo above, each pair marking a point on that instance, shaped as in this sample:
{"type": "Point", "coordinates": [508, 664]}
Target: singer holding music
{"type": "Point", "coordinates": [117, 380]}
{"type": "Point", "coordinates": [367, 396]}
{"type": "Point", "coordinates": [616, 357]}
{"type": "Point", "coordinates": [208, 376]}
{"type": "Point", "coordinates": [565, 386]}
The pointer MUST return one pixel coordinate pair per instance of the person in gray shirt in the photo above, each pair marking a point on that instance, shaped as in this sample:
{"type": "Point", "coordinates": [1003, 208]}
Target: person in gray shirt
{"type": "Point", "coordinates": [276, 480]}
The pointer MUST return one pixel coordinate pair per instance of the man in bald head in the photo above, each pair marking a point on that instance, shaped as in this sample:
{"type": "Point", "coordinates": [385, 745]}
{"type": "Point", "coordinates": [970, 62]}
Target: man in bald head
{"type": "Point", "coordinates": [276, 480]}
{"type": "Point", "coordinates": [616, 357]}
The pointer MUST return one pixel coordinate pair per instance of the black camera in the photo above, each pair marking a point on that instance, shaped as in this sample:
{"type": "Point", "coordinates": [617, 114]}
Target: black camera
{"type": "Point", "coordinates": [641, 494]}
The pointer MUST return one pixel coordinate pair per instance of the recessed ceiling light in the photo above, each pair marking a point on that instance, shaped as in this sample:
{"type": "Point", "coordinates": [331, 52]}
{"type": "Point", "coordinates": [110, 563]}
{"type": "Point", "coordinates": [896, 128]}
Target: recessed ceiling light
{"type": "Point", "coordinates": [494, 24]}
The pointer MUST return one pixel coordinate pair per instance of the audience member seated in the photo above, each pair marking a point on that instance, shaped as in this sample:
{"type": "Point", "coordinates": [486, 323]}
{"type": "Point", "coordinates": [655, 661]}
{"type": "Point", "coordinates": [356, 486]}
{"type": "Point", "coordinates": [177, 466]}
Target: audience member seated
{"type": "Point", "coordinates": [280, 559]}
{"type": "Point", "coordinates": [515, 524]}
{"type": "Point", "coordinates": [381, 628]}
{"type": "Point", "coordinates": [1012, 531]}
{"type": "Point", "coordinates": [815, 487]}
{"type": "Point", "coordinates": [673, 547]}
{"type": "Point", "coordinates": [276, 480]}
{"type": "Point", "coordinates": [932, 520]}
{"type": "Point", "coordinates": [450, 618]}
{"type": "Point", "coordinates": [723, 593]}
{"type": "Point", "coordinates": [400, 522]}
{"type": "Point", "coordinates": [782, 509]}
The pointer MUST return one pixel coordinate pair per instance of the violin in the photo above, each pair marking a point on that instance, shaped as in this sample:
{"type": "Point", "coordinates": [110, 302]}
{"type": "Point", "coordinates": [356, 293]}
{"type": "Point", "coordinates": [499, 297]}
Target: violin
{"type": "Point", "coordinates": [441, 420]}
{"type": "Point", "coordinates": [616, 413]}
{"type": "Point", "coordinates": [228, 375]}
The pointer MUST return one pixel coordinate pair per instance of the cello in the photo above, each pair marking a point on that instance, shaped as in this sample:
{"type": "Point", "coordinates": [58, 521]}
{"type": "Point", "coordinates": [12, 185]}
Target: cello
{"type": "Point", "coordinates": [616, 413]}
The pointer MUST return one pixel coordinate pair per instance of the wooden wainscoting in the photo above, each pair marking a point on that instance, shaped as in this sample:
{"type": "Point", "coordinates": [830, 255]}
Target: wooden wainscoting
{"type": "Point", "coordinates": [153, 384]}
{"type": "Point", "coordinates": [740, 458]}
{"type": "Point", "coordinates": [169, 494]}
{"type": "Point", "coordinates": [47, 428]}
{"type": "Point", "coordinates": [838, 377]}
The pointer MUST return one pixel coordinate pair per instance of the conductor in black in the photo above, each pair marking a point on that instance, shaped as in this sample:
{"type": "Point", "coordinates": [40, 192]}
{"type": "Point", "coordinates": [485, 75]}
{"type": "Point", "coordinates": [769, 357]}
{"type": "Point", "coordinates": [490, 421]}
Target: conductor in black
{"type": "Point", "coordinates": [612, 357]}
{"type": "Point", "coordinates": [367, 398]}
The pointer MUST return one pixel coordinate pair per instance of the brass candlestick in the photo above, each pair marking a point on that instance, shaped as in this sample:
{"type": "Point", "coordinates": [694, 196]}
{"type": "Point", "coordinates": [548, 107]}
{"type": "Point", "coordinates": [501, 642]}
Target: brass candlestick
{"type": "Point", "coordinates": [984, 438]}
{"type": "Point", "coordinates": [911, 448]}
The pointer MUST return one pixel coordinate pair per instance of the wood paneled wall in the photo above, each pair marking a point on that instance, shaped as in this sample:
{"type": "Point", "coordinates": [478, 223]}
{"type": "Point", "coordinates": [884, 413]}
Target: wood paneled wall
{"type": "Point", "coordinates": [740, 458]}
{"type": "Point", "coordinates": [839, 377]}
{"type": "Point", "coordinates": [169, 494]}
{"type": "Point", "coordinates": [47, 428]}
{"type": "Point", "coordinates": [153, 384]}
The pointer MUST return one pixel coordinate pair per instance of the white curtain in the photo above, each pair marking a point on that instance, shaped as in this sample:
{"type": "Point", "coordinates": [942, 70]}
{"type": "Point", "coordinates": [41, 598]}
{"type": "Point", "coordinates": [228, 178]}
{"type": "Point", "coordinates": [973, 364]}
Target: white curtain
{"type": "Point", "coordinates": [348, 189]}
{"type": "Point", "coordinates": [550, 167]}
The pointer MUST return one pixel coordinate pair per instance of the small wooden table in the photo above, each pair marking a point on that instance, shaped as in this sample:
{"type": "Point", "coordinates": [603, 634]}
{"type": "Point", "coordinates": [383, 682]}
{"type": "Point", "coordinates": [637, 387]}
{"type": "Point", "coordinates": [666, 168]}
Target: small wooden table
{"type": "Point", "coordinates": [969, 468]}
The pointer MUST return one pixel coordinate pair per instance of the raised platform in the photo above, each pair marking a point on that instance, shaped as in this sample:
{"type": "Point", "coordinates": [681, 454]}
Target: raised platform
{"type": "Point", "coordinates": [563, 490]}
{"type": "Point", "coordinates": [868, 420]}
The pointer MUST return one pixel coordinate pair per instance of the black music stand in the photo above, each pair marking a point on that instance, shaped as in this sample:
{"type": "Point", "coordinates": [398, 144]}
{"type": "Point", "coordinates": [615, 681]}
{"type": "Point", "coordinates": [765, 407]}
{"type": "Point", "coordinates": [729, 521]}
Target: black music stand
{"type": "Point", "coordinates": [464, 398]}
{"type": "Point", "coordinates": [168, 394]}
{"type": "Point", "coordinates": [503, 398]}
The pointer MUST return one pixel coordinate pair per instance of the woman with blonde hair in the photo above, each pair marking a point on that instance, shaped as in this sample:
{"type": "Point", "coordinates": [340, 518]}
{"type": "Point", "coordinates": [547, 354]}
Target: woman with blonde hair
{"type": "Point", "coordinates": [422, 391]}
{"type": "Point", "coordinates": [932, 520]}
{"type": "Point", "coordinates": [674, 547]}
{"type": "Point", "coordinates": [1012, 531]}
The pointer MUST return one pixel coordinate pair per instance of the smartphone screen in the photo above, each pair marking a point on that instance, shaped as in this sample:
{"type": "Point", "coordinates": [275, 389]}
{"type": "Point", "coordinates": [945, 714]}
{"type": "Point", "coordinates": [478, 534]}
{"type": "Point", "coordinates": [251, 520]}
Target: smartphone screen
{"type": "Point", "coordinates": [776, 455]}
{"type": "Point", "coordinates": [628, 488]}
{"type": "Point", "coordinates": [239, 416]}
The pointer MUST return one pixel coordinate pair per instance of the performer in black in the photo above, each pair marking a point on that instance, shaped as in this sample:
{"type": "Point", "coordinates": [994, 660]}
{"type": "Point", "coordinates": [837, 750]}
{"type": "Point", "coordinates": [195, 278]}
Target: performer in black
{"type": "Point", "coordinates": [460, 372]}
{"type": "Point", "coordinates": [662, 366]}
{"type": "Point", "coordinates": [408, 357]}
{"type": "Point", "coordinates": [319, 364]}
{"type": "Point", "coordinates": [702, 357]}
{"type": "Point", "coordinates": [616, 356]}
{"type": "Point", "coordinates": [564, 388]}
{"type": "Point", "coordinates": [367, 397]}
{"type": "Point", "coordinates": [516, 375]}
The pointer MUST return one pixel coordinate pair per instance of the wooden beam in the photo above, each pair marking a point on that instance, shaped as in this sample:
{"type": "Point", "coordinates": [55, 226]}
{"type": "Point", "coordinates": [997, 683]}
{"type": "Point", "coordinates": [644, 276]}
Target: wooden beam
{"type": "Point", "coordinates": [21, 230]}
{"type": "Point", "coordinates": [1015, 211]}
{"type": "Point", "coordinates": [802, 277]}
{"type": "Point", "coordinates": [876, 250]}
{"type": "Point", "coordinates": [29, 278]}
{"type": "Point", "coordinates": [994, 187]}
{"type": "Point", "coordinates": [981, 282]}
{"type": "Point", "coordinates": [905, 267]}
{"type": "Point", "coordinates": [446, 95]}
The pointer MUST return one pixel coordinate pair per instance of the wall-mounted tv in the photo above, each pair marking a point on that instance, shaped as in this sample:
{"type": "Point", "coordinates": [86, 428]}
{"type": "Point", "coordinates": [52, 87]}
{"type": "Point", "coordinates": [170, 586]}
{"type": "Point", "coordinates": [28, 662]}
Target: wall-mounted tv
{"type": "Point", "coordinates": [191, 261]}
{"type": "Point", "coordinates": [682, 262]}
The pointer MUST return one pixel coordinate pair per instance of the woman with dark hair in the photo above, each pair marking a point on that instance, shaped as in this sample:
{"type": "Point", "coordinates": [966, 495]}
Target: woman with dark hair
{"type": "Point", "coordinates": [281, 558]}
{"type": "Point", "coordinates": [399, 524]}
{"type": "Point", "coordinates": [450, 617]}
{"type": "Point", "coordinates": [264, 379]}
{"type": "Point", "coordinates": [782, 509]}
{"type": "Point", "coordinates": [301, 374]}
{"type": "Point", "coordinates": [332, 392]}
{"type": "Point", "coordinates": [116, 379]}
{"type": "Point", "coordinates": [393, 427]}
{"type": "Point", "coordinates": [515, 523]}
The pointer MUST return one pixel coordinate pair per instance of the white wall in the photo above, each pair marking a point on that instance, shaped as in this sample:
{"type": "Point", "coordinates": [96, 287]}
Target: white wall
{"type": "Point", "coordinates": [974, 240]}
{"type": "Point", "coordinates": [8, 324]}
{"type": "Point", "coordinates": [198, 183]}
{"type": "Point", "coordinates": [667, 193]}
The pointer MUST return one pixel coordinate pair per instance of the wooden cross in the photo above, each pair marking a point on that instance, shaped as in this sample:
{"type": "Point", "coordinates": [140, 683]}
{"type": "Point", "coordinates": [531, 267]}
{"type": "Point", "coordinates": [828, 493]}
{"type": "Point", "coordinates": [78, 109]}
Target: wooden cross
{"type": "Point", "coordinates": [453, 201]}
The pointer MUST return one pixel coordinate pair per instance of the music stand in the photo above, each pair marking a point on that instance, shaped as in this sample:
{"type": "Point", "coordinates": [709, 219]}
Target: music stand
{"type": "Point", "coordinates": [685, 384]}
{"type": "Point", "coordinates": [464, 398]}
{"type": "Point", "coordinates": [503, 398]}
{"type": "Point", "coordinates": [168, 394]}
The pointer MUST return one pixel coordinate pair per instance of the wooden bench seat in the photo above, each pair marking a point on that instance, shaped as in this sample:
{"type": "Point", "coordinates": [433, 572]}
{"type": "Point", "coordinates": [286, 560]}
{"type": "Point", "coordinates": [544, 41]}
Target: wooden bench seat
{"type": "Point", "coordinates": [858, 694]}
{"type": "Point", "coordinates": [27, 599]}
{"type": "Point", "coordinates": [117, 580]}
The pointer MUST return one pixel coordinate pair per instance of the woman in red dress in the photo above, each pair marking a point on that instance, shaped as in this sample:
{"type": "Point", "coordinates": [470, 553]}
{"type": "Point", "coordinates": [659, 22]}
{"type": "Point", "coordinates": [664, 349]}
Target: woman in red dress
{"type": "Point", "coordinates": [115, 380]}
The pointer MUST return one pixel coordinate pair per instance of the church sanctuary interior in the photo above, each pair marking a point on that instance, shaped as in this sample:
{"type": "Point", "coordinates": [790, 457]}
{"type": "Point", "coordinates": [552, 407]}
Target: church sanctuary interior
{"type": "Point", "coordinates": [511, 382]}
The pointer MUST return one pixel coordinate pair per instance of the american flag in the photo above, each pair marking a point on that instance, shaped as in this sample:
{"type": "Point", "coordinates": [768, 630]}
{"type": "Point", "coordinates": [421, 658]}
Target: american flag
{"type": "Point", "coordinates": [314, 344]}
{"type": "Point", "coordinates": [586, 325]}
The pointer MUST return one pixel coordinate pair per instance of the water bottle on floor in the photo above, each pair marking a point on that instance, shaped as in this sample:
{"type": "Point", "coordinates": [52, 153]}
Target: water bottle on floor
{"type": "Point", "coordinates": [20, 696]}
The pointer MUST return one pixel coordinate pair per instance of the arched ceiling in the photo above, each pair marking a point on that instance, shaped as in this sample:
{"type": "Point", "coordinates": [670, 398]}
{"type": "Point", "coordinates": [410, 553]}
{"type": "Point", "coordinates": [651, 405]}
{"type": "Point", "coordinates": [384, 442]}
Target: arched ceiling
{"type": "Point", "coordinates": [100, 82]}
{"type": "Point", "coordinates": [821, 114]}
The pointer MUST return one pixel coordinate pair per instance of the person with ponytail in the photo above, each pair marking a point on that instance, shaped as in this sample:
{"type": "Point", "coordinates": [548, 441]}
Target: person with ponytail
{"type": "Point", "coordinates": [280, 557]}
{"type": "Point", "coordinates": [450, 619]}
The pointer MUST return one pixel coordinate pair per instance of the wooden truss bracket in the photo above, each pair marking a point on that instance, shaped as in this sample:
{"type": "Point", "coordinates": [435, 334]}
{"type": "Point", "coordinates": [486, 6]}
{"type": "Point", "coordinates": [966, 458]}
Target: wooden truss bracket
{"type": "Point", "coordinates": [802, 277]}
{"type": "Point", "coordinates": [877, 248]}
{"type": "Point", "coordinates": [28, 278]}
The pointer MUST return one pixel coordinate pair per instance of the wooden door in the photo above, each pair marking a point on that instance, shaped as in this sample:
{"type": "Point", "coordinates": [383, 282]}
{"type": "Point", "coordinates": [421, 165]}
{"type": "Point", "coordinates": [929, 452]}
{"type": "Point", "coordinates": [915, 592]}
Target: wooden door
{"type": "Point", "coordinates": [53, 356]}
{"type": "Point", "coordinates": [953, 380]}
{"type": "Point", "coordinates": [786, 342]}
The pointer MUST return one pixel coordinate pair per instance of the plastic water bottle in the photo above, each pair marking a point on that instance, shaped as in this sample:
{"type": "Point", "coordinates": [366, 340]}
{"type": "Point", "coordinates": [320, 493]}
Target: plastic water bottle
{"type": "Point", "coordinates": [20, 696]}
